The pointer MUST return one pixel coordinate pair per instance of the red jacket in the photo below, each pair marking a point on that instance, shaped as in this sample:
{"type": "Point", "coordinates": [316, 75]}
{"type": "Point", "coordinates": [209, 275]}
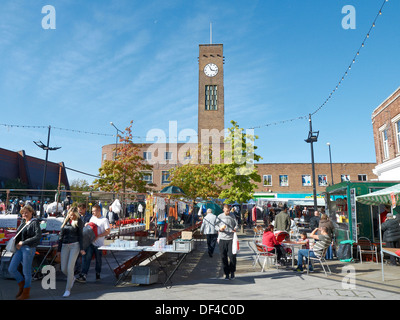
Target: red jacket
{"type": "Point", "coordinates": [269, 240]}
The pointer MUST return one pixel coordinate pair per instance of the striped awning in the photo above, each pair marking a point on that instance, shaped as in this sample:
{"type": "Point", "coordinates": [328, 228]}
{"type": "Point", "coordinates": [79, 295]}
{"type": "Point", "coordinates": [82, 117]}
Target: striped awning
{"type": "Point", "coordinates": [381, 197]}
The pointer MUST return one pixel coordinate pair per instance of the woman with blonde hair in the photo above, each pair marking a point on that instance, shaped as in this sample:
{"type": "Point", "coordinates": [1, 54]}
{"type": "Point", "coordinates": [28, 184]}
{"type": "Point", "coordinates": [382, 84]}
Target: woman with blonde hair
{"type": "Point", "coordinates": [69, 246]}
{"type": "Point", "coordinates": [27, 239]}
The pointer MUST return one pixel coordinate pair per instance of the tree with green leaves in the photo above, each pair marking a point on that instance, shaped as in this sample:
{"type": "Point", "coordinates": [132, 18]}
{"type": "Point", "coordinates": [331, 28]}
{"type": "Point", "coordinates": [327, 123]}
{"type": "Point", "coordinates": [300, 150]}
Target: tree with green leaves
{"type": "Point", "coordinates": [196, 180]}
{"type": "Point", "coordinates": [237, 173]}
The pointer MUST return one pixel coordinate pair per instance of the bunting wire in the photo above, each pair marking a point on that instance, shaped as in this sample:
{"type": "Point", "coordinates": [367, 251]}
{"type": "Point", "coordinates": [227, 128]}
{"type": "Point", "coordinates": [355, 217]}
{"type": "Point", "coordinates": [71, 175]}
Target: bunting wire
{"type": "Point", "coordinates": [345, 74]}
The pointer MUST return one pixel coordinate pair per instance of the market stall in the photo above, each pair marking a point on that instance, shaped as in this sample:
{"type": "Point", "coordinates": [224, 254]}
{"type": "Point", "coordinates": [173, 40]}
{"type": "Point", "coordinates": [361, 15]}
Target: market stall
{"type": "Point", "coordinates": [353, 219]}
{"type": "Point", "coordinates": [388, 196]}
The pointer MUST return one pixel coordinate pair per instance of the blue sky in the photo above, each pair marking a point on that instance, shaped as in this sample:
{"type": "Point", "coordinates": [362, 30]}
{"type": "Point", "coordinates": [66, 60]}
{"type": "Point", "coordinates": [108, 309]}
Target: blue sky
{"type": "Point", "coordinates": [128, 60]}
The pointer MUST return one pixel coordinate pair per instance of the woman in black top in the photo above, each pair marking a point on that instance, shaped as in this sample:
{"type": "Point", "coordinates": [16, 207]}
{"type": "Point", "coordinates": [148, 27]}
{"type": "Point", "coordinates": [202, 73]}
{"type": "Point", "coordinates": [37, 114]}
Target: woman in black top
{"type": "Point", "coordinates": [70, 245]}
{"type": "Point", "coordinates": [26, 242]}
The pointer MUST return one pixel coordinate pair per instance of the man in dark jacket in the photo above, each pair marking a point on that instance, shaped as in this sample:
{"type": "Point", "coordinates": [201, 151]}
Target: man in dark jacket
{"type": "Point", "coordinates": [314, 221]}
{"type": "Point", "coordinates": [391, 234]}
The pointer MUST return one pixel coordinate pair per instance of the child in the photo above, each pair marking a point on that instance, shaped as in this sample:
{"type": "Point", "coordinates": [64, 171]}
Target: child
{"type": "Point", "coordinates": [303, 238]}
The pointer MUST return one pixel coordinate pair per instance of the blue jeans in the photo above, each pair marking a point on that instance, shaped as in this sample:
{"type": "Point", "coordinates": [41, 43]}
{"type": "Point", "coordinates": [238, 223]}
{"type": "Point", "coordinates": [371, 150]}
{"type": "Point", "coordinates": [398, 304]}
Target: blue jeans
{"type": "Point", "coordinates": [303, 253]}
{"type": "Point", "coordinates": [25, 256]}
{"type": "Point", "coordinates": [87, 258]}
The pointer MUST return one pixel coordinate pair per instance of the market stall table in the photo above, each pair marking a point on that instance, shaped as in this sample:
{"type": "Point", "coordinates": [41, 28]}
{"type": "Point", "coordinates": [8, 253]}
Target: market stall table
{"type": "Point", "coordinates": [293, 245]}
{"type": "Point", "coordinates": [391, 251]}
{"type": "Point", "coordinates": [152, 249]}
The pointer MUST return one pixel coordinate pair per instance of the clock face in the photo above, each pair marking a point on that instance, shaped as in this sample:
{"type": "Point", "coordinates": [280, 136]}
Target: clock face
{"type": "Point", "coordinates": [211, 70]}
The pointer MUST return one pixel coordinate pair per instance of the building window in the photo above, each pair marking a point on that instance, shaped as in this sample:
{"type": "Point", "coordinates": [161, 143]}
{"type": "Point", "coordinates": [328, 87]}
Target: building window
{"type": "Point", "coordinates": [385, 144]}
{"type": "Point", "coordinates": [147, 155]}
{"type": "Point", "coordinates": [322, 180]}
{"type": "Point", "coordinates": [148, 177]}
{"type": "Point", "coordinates": [284, 180]}
{"type": "Point", "coordinates": [267, 180]}
{"type": "Point", "coordinates": [211, 97]}
{"type": "Point", "coordinates": [104, 156]}
{"type": "Point", "coordinates": [398, 135]}
{"type": "Point", "coordinates": [362, 177]}
{"type": "Point", "coordinates": [345, 177]}
{"type": "Point", "coordinates": [188, 156]}
{"type": "Point", "coordinates": [165, 177]}
{"type": "Point", "coordinates": [306, 180]}
{"type": "Point", "coordinates": [168, 155]}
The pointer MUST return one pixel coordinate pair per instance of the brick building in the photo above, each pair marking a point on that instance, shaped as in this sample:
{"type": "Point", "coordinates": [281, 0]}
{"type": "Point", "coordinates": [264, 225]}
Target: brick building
{"type": "Point", "coordinates": [386, 128]}
{"type": "Point", "coordinates": [29, 170]}
{"type": "Point", "coordinates": [292, 178]}
{"type": "Point", "coordinates": [278, 179]}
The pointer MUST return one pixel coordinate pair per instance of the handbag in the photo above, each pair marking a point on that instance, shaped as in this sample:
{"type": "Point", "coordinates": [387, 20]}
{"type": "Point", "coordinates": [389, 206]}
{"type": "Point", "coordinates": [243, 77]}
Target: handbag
{"type": "Point", "coordinates": [11, 247]}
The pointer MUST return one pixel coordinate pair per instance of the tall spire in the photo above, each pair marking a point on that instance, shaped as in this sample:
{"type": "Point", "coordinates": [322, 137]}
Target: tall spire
{"type": "Point", "coordinates": [210, 32]}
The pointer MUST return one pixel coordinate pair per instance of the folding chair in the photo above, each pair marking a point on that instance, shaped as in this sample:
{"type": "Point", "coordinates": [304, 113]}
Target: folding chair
{"type": "Point", "coordinates": [364, 245]}
{"type": "Point", "coordinates": [321, 259]}
{"type": "Point", "coordinates": [262, 251]}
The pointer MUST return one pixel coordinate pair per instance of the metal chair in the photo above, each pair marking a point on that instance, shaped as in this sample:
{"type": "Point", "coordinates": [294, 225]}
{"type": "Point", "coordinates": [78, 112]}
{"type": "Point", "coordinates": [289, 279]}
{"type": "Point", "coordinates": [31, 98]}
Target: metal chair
{"type": "Point", "coordinates": [259, 251]}
{"type": "Point", "coordinates": [364, 245]}
{"type": "Point", "coordinates": [321, 259]}
{"type": "Point", "coordinates": [263, 251]}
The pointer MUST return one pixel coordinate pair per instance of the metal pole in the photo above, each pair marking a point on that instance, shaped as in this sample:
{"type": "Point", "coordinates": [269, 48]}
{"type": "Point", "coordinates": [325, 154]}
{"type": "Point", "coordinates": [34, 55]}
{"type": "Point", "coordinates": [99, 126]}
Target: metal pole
{"type": "Point", "coordinates": [313, 167]}
{"type": "Point", "coordinates": [45, 172]}
{"type": "Point", "coordinates": [330, 159]}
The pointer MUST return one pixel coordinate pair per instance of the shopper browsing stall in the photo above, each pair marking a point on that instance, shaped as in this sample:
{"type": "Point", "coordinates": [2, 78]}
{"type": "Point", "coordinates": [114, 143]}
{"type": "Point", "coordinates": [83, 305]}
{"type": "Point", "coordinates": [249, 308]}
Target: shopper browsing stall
{"type": "Point", "coordinates": [103, 230]}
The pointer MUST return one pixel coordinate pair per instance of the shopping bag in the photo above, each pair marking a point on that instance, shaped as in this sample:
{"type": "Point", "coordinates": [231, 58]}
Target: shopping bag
{"type": "Point", "coordinates": [10, 247]}
{"type": "Point", "coordinates": [235, 244]}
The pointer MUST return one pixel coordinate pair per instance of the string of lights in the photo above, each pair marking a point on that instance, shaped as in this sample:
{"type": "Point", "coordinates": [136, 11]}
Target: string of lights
{"type": "Point", "coordinates": [346, 73]}
{"type": "Point", "coordinates": [57, 128]}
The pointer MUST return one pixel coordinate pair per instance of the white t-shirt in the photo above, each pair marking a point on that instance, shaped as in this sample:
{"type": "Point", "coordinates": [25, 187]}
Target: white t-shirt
{"type": "Point", "coordinates": [102, 225]}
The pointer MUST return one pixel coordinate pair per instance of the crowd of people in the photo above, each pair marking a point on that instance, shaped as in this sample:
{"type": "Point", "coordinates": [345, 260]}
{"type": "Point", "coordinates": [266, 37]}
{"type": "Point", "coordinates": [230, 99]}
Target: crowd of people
{"type": "Point", "coordinates": [75, 259]}
{"type": "Point", "coordinates": [222, 228]}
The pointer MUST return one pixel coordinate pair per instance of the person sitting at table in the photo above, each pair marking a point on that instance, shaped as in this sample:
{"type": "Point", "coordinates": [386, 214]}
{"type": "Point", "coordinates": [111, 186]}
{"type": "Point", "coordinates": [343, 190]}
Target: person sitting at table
{"type": "Point", "coordinates": [324, 241]}
{"type": "Point", "coordinates": [270, 241]}
{"type": "Point", "coordinates": [303, 238]}
{"type": "Point", "coordinates": [391, 234]}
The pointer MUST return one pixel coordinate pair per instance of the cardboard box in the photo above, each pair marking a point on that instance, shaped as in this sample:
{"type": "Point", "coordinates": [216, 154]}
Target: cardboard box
{"type": "Point", "coordinates": [187, 235]}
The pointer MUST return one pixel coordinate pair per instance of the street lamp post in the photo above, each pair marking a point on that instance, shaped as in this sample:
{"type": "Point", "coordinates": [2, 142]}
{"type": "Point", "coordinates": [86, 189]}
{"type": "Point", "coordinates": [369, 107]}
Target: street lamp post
{"type": "Point", "coordinates": [116, 139]}
{"type": "Point", "coordinates": [115, 157]}
{"type": "Point", "coordinates": [313, 137]}
{"type": "Point", "coordinates": [41, 145]}
{"type": "Point", "coordinates": [330, 160]}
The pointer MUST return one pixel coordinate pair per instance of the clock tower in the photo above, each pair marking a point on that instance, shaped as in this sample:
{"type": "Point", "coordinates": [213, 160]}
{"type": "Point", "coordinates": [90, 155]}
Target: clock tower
{"type": "Point", "coordinates": [211, 89]}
